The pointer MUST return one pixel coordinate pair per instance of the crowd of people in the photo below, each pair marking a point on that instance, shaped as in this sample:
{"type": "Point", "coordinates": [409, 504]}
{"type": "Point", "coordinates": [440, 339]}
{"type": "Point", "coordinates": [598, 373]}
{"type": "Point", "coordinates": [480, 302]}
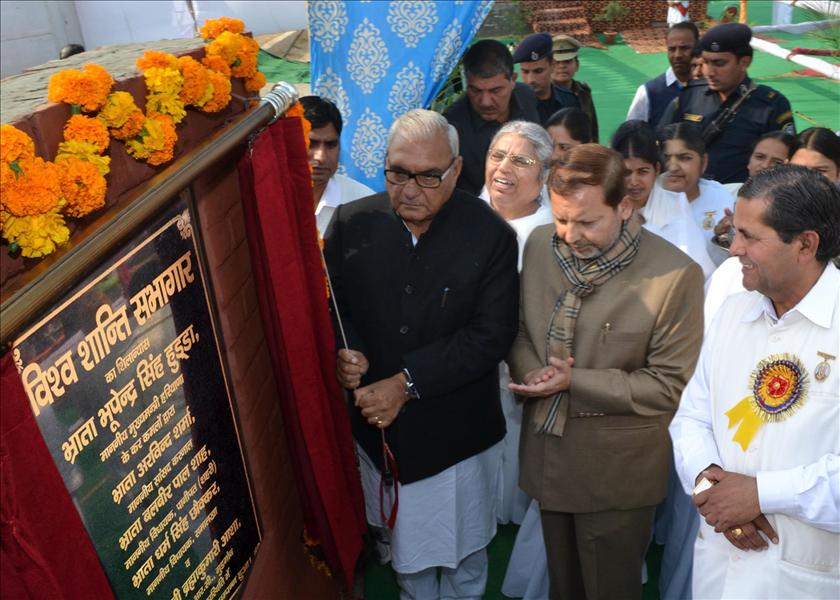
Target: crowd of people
{"type": "Point", "coordinates": [539, 329]}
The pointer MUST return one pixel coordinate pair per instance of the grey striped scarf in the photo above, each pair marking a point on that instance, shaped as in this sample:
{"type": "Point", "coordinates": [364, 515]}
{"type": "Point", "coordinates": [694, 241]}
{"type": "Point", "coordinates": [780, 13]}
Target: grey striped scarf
{"type": "Point", "coordinates": [584, 276]}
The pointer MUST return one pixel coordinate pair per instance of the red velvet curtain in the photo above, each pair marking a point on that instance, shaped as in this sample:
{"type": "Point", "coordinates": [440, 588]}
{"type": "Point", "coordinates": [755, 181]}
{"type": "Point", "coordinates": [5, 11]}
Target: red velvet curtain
{"type": "Point", "coordinates": [45, 551]}
{"type": "Point", "coordinates": [280, 223]}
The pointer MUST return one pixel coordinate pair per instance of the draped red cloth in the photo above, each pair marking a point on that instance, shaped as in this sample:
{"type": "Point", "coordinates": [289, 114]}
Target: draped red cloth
{"type": "Point", "coordinates": [45, 551]}
{"type": "Point", "coordinates": [280, 223]}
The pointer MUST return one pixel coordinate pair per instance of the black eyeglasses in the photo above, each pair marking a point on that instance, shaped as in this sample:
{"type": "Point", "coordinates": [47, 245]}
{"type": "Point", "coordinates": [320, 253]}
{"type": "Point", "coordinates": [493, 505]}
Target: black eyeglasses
{"type": "Point", "coordinates": [424, 180]}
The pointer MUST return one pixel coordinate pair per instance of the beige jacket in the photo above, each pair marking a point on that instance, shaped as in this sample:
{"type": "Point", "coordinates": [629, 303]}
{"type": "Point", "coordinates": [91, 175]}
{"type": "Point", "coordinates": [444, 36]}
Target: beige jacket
{"type": "Point", "coordinates": [637, 340]}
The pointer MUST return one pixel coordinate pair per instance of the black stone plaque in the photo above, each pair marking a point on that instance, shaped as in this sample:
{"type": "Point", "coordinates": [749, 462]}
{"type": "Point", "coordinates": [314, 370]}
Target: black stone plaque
{"type": "Point", "coordinates": [126, 382]}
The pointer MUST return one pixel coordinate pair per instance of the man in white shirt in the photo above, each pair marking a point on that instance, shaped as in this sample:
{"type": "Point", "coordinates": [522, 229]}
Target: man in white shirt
{"type": "Point", "coordinates": [654, 96]}
{"type": "Point", "coordinates": [760, 418]}
{"type": "Point", "coordinates": [329, 189]}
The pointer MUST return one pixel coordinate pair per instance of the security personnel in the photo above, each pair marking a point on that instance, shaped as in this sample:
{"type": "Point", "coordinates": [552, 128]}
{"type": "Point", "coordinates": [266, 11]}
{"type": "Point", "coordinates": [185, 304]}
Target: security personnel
{"type": "Point", "coordinates": [731, 109]}
{"type": "Point", "coordinates": [566, 64]}
{"type": "Point", "coordinates": [535, 60]}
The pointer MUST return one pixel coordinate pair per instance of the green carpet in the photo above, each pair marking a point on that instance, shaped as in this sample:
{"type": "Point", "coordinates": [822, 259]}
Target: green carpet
{"type": "Point", "coordinates": [615, 73]}
{"type": "Point", "coordinates": [381, 584]}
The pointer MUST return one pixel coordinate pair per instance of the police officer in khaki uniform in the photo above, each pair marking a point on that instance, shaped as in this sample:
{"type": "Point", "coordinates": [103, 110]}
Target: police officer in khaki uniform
{"type": "Point", "coordinates": [732, 110]}
{"type": "Point", "coordinates": [566, 64]}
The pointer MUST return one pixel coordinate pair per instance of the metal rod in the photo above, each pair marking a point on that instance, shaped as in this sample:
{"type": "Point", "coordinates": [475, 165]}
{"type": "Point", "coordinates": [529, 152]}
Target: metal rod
{"type": "Point", "coordinates": [41, 286]}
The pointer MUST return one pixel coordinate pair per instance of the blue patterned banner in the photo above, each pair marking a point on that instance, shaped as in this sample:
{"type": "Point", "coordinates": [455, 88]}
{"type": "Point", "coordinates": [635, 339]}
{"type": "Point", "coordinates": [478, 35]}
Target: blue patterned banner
{"type": "Point", "coordinates": [378, 60]}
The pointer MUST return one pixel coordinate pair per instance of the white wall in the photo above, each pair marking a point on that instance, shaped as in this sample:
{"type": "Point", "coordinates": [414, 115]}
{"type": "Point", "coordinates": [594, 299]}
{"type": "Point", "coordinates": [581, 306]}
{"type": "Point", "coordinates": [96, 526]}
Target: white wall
{"type": "Point", "coordinates": [34, 31]}
{"type": "Point", "coordinates": [109, 22]}
{"type": "Point", "coordinates": [31, 33]}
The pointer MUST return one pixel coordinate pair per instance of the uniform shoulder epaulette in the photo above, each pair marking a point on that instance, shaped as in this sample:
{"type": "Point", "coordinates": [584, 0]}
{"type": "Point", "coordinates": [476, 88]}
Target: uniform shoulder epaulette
{"type": "Point", "coordinates": [766, 93]}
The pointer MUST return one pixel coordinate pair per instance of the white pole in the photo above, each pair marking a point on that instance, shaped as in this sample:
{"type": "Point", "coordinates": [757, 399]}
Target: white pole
{"type": "Point", "coordinates": [811, 62]}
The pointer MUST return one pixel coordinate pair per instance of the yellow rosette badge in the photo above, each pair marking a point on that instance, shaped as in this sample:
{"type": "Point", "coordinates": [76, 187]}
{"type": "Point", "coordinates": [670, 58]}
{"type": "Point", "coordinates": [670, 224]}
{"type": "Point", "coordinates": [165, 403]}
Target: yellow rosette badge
{"type": "Point", "coordinates": [779, 387]}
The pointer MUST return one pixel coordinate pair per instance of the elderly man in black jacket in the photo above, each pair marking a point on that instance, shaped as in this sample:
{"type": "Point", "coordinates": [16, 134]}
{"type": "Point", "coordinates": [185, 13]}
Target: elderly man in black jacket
{"type": "Point", "coordinates": [427, 289]}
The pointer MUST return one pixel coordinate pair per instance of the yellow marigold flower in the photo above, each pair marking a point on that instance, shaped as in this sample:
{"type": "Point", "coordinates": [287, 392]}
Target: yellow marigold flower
{"type": "Point", "coordinates": [155, 58]}
{"type": "Point", "coordinates": [221, 93]}
{"type": "Point", "coordinates": [117, 109]}
{"type": "Point", "coordinates": [15, 144]}
{"type": "Point", "coordinates": [213, 27]}
{"type": "Point", "coordinates": [163, 81]}
{"type": "Point", "coordinates": [87, 129]}
{"type": "Point", "coordinates": [37, 235]}
{"type": "Point", "coordinates": [32, 189]}
{"type": "Point", "coordinates": [88, 88]}
{"type": "Point", "coordinates": [132, 126]}
{"type": "Point", "coordinates": [226, 46]}
{"type": "Point", "coordinates": [255, 83]}
{"type": "Point", "coordinates": [83, 187]}
{"type": "Point", "coordinates": [166, 104]}
{"type": "Point", "coordinates": [195, 80]}
{"type": "Point", "coordinates": [157, 141]}
{"type": "Point", "coordinates": [216, 63]}
{"type": "Point", "coordinates": [84, 151]}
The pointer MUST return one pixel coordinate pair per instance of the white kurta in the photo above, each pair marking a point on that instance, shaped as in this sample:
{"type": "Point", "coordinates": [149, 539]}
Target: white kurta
{"type": "Point", "coordinates": [668, 215]}
{"type": "Point", "coordinates": [707, 208]}
{"type": "Point", "coordinates": [340, 190]}
{"type": "Point", "coordinates": [796, 461]}
{"type": "Point", "coordinates": [441, 519]}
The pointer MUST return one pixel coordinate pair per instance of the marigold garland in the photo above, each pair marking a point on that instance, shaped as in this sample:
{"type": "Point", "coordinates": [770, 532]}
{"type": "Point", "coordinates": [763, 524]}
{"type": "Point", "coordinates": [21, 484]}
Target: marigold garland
{"type": "Point", "coordinates": [36, 195]}
{"type": "Point", "coordinates": [85, 151]}
{"type": "Point", "coordinates": [88, 88]}
{"type": "Point", "coordinates": [83, 187]}
{"type": "Point", "coordinates": [35, 188]}
{"type": "Point", "coordinates": [196, 82]}
{"type": "Point", "coordinates": [156, 59]}
{"type": "Point", "coordinates": [216, 63]}
{"type": "Point", "coordinates": [255, 83]}
{"type": "Point", "coordinates": [87, 129]}
{"type": "Point", "coordinates": [156, 142]}
{"type": "Point", "coordinates": [214, 27]}
{"type": "Point", "coordinates": [221, 92]}
{"type": "Point", "coordinates": [37, 235]}
{"type": "Point", "coordinates": [15, 144]}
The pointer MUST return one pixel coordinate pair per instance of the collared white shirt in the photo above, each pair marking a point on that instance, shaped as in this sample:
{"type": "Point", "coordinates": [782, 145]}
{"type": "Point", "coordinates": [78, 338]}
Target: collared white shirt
{"type": "Point", "coordinates": [640, 106]}
{"type": "Point", "coordinates": [340, 190]}
{"type": "Point", "coordinates": [796, 461]}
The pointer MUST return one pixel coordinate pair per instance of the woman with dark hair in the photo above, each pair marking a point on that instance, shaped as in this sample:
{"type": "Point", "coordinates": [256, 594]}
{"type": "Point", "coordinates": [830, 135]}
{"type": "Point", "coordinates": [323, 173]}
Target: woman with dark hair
{"type": "Point", "coordinates": [663, 212]}
{"type": "Point", "coordinates": [685, 159]}
{"type": "Point", "coordinates": [568, 127]}
{"type": "Point", "coordinates": [819, 149]}
{"type": "Point", "coordinates": [772, 149]}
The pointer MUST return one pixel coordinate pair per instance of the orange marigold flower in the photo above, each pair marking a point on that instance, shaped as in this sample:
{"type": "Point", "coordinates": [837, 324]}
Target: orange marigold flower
{"type": "Point", "coordinates": [216, 63]}
{"type": "Point", "coordinates": [195, 80]}
{"type": "Point", "coordinates": [246, 63]}
{"type": "Point", "coordinates": [88, 88]}
{"type": "Point", "coordinates": [214, 27]}
{"type": "Point", "coordinates": [132, 126]}
{"type": "Point", "coordinates": [170, 136]}
{"type": "Point", "coordinates": [87, 129]}
{"type": "Point", "coordinates": [34, 189]}
{"type": "Point", "coordinates": [155, 58]}
{"type": "Point", "coordinates": [221, 93]}
{"type": "Point", "coordinates": [226, 45]}
{"type": "Point", "coordinates": [255, 83]}
{"type": "Point", "coordinates": [15, 144]}
{"type": "Point", "coordinates": [83, 187]}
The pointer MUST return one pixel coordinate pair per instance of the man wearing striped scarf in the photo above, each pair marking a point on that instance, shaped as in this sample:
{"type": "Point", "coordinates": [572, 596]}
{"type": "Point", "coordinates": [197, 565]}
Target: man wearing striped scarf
{"type": "Point", "coordinates": [611, 322]}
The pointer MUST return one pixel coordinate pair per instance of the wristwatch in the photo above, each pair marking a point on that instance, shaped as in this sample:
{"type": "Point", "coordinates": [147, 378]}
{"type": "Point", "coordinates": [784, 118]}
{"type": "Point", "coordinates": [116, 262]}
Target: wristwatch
{"type": "Point", "coordinates": [410, 388]}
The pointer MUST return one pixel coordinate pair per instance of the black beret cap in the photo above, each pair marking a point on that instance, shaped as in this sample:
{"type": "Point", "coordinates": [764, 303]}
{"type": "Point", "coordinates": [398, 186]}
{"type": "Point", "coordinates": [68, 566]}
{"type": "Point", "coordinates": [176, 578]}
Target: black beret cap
{"type": "Point", "coordinates": [534, 47]}
{"type": "Point", "coordinates": [727, 37]}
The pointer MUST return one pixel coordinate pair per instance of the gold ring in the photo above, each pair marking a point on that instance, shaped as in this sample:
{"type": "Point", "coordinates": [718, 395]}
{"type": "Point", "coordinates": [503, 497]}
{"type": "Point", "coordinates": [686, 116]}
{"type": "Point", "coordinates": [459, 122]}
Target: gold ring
{"type": "Point", "coordinates": [737, 532]}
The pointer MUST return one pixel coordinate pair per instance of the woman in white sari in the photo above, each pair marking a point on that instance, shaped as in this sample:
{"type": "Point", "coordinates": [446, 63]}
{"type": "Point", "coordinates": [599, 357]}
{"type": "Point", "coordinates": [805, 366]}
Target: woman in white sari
{"type": "Point", "coordinates": [516, 170]}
